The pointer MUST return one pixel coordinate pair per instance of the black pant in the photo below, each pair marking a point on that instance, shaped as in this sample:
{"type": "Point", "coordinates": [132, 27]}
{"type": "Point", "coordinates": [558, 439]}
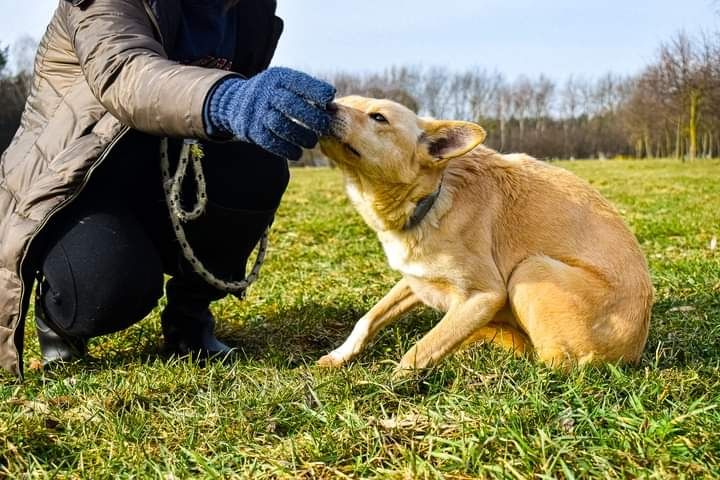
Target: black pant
{"type": "Point", "coordinates": [103, 259]}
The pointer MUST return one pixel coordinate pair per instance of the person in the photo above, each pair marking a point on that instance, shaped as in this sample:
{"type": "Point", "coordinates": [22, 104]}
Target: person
{"type": "Point", "coordinates": [83, 201]}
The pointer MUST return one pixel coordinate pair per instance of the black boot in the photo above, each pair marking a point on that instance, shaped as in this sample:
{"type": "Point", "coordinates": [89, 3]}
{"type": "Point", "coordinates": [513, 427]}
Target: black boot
{"type": "Point", "coordinates": [243, 197]}
{"type": "Point", "coordinates": [55, 346]}
{"type": "Point", "coordinates": [187, 324]}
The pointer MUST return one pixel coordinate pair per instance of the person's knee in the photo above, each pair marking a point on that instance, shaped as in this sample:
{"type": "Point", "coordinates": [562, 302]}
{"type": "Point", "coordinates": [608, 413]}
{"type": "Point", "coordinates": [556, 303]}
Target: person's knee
{"type": "Point", "coordinates": [101, 276]}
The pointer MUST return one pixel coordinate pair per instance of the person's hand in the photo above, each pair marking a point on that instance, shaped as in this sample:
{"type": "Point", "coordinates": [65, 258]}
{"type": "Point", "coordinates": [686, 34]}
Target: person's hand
{"type": "Point", "coordinates": [280, 110]}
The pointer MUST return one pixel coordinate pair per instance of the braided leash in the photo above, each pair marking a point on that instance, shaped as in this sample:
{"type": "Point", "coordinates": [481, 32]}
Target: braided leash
{"type": "Point", "coordinates": [191, 154]}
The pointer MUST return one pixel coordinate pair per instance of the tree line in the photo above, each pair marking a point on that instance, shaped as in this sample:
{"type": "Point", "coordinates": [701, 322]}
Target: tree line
{"type": "Point", "coordinates": [670, 109]}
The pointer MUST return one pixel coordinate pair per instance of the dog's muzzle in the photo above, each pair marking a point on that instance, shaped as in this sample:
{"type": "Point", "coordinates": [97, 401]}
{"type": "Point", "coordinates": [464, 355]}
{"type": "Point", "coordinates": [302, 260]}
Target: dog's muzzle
{"type": "Point", "coordinates": [339, 128]}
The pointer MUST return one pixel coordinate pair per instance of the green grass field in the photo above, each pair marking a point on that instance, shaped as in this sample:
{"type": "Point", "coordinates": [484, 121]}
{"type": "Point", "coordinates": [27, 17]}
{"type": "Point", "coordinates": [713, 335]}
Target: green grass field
{"type": "Point", "coordinates": [482, 413]}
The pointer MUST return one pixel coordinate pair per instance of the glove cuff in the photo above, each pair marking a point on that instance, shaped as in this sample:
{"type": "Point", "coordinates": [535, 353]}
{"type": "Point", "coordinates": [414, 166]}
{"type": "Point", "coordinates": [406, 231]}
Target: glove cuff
{"type": "Point", "coordinates": [222, 106]}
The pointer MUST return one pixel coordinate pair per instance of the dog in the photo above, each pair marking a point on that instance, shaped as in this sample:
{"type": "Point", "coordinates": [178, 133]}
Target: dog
{"type": "Point", "coordinates": [516, 252]}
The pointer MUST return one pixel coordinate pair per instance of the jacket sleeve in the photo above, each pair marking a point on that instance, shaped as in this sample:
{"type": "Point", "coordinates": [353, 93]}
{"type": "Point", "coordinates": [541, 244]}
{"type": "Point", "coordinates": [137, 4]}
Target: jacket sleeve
{"type": "Point", "coordinates": [128, 71]}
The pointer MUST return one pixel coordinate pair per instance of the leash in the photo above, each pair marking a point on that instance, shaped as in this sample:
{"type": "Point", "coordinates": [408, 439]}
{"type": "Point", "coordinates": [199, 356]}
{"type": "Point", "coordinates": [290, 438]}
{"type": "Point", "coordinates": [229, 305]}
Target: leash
{"type": "Point", "coordinates": [191, 155]}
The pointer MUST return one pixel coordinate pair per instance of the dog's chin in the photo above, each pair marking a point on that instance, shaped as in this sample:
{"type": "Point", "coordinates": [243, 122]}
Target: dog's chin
{"type": "Point", "coordinates": [338, 150]}
{"type": "Point", "coordinates": [331, 147]}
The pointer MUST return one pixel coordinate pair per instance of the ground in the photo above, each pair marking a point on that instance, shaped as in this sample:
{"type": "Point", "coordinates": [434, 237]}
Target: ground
{"type": "Point", "coordinates": [482, 413]}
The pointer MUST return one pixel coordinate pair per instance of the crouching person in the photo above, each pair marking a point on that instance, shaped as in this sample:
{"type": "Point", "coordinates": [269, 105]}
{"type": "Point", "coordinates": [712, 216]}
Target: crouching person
{"type": "Point", "coordinates": [86, 204]}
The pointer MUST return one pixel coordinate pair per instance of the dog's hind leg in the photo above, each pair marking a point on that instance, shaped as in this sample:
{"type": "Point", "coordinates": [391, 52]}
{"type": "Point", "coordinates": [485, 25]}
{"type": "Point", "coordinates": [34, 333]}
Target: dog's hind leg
{"type": "Point", "coordinates": [504, 336]}
{"type": "Point", "coordinates": [397, 302]}
{"type": "Point", "coordinates": [573, 316]}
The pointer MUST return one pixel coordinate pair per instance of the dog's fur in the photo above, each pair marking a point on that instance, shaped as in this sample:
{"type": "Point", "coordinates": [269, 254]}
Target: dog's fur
{"type": "Point", "coordinates": [516, 252]}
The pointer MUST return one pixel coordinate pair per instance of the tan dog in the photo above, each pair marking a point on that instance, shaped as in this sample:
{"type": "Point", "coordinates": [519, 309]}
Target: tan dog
{"type": "Point", "coordinates": [515, 251]}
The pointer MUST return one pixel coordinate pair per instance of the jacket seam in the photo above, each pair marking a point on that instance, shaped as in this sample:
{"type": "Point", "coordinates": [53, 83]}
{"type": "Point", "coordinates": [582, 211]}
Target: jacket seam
{"type": "Point", "coordinates": [35, 144]}
{"type": "Point", "coordinates": [17, 137]}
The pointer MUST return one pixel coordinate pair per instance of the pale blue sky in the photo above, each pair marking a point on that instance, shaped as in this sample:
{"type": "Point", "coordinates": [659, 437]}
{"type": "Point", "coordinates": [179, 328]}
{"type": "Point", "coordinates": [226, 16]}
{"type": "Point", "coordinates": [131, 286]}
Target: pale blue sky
{"type": "Point", "coordinates": [555, 37]}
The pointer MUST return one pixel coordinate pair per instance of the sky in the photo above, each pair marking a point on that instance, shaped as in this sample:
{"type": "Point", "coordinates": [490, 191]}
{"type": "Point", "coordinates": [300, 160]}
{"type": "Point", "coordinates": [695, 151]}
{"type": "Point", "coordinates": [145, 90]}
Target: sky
{"type": "Point", "coordinates": [557, 38]}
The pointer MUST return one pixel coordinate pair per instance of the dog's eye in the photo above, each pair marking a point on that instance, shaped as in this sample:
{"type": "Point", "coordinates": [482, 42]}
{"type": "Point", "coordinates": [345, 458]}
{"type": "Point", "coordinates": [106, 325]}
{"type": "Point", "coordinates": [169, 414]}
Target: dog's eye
{"type": "Point", "coordinates": [378, 117]}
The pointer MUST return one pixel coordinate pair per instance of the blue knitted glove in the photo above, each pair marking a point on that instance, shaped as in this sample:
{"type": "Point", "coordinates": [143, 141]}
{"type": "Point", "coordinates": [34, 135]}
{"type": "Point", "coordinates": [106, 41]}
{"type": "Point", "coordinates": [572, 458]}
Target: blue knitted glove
{"type": "Point", "coordinates": [279, 110]}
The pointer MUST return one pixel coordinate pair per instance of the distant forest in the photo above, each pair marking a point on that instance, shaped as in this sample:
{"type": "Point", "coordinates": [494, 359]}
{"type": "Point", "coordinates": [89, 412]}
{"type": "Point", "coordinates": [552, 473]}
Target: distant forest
{"type": "Point", "coordinates": [670, 109]}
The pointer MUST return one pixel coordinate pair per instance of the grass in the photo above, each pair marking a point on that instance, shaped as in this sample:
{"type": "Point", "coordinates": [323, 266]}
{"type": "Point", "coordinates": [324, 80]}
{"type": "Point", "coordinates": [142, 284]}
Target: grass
{"type": "Point", "coordinates": [482, 413]}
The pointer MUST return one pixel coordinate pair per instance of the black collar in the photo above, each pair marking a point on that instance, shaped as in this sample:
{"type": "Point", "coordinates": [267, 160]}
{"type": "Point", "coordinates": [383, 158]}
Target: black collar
{"type": "Point", "coordinates": [422, 208]}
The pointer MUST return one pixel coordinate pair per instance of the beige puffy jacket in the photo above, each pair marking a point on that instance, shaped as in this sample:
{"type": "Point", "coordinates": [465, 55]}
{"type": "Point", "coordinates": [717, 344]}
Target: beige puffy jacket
{"type": "Point", "coordinates": [102, 68]}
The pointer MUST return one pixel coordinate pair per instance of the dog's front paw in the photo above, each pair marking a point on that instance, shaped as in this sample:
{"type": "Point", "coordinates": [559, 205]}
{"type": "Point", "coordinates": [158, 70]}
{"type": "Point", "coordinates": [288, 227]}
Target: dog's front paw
{"type": "Point", "coordinates": [413, 362]}
{"type": "Point", "coordinates": [331, 361]}
{"type": "Point", "coordinates": [403, 373]}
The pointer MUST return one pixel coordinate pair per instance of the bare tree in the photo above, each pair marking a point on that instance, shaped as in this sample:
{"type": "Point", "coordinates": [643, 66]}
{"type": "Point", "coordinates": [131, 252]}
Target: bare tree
{"type": "Point", "coordinates": [23, 54]}
{"type": "Point", "coordinates": [3, 59]}
{"type": "Point", "coordinates": [522, 97]}
{"type": "Point", "coordinates": [503, 112]}
{"type": "Point", "coordinates": [436, 92]}
{"type": "Point", "coordinates": [542, 99]}
{"type": "Point", "coordinates": [678, 70]}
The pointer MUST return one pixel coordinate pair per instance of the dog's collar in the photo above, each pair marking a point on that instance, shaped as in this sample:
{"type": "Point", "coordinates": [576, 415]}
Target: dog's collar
{"type": "Point", "coordinates": [422, 208]}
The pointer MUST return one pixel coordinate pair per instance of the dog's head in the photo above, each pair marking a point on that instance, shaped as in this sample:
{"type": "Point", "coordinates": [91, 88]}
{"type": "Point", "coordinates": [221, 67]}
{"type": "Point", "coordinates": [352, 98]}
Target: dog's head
{"type": "Point", "coordinates": [384, 141]}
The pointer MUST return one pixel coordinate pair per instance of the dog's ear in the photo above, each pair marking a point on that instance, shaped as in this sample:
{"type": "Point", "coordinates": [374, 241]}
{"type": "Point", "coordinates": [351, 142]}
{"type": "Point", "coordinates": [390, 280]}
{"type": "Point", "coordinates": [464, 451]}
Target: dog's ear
{"type": "Point", "coordinates": [444, 140]}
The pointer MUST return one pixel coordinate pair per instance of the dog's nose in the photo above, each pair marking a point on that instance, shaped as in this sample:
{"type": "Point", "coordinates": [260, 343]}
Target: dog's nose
{"type": "Point", "coordinates": [332, 108]}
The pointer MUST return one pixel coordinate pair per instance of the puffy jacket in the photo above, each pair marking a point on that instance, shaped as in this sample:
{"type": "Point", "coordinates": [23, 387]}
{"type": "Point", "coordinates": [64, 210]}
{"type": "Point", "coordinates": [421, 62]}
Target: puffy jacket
{"type": "Point", "coordinates": [101, 69]}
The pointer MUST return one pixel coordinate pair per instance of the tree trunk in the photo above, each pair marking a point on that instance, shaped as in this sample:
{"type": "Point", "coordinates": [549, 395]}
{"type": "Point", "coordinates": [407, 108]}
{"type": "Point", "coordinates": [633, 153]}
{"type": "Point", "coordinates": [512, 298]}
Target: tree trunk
{"type": "Point", "coordinates": [692, 126]}
{"type": "Point", "coordinates": [502, 134]}
{"type": "Point", "coordinates": [705, 145]}
{"type": "Point", "coordinates": [648, 145]}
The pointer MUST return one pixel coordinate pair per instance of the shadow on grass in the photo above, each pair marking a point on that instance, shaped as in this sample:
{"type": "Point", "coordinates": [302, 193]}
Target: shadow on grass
{"type": "Point", "coordinates": [296, 332]}
{"type": "Point", "coordinates": [684, 332]}
{"type": "Point", "coordinates": [301, 334]}
{"type": "Point", "coordinates": [286, 338]}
